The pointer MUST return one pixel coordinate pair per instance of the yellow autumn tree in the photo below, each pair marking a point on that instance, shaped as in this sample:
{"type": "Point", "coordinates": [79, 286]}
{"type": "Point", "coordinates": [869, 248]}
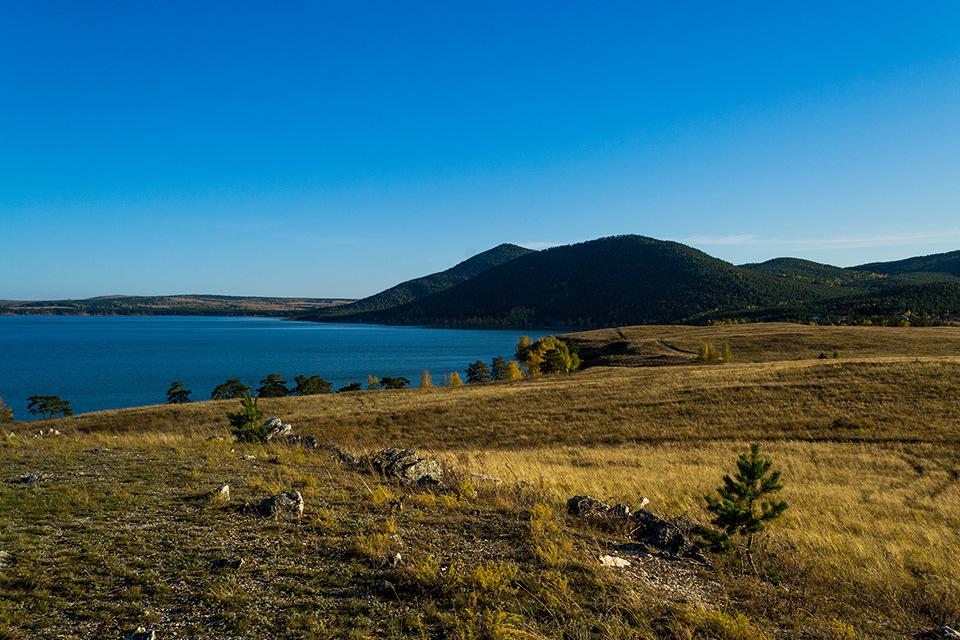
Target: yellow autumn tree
{"type": "Point", "coordinates": [547, 355]}
{"type": "Point", "coordinates": [455, 380]}
{"type": "Point", "coordinates": [373, 382]}
{"type": "Point", "coordinates": [513, 371]}
{"type": "Point", "coordinates": [425, 381]}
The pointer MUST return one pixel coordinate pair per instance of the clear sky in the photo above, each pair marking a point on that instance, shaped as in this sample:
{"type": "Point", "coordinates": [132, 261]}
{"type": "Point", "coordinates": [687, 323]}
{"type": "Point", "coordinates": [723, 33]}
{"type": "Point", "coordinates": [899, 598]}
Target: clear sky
{"type": "Point", "coordinates": [322, 149]}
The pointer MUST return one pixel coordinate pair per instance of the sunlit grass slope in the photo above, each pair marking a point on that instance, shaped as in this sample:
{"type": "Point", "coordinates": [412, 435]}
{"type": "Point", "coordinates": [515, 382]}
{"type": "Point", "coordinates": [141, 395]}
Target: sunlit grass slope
{"type": "Point", "coordinates": [116, 532]}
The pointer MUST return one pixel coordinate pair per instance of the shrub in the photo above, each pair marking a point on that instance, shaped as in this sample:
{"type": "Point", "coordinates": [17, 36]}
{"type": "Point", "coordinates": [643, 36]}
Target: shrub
{"type": "Point", "coordinates": [247, 425]}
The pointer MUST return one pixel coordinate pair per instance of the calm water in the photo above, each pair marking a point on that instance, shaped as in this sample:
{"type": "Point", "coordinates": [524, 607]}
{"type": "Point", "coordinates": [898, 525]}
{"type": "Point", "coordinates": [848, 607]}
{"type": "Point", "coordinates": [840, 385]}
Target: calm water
{"type": "Point", "coordinates": [114, 362]}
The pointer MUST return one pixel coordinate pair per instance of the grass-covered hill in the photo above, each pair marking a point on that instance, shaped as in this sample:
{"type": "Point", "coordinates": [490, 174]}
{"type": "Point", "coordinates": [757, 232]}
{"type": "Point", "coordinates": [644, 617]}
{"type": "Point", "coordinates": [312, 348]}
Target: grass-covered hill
{"type": "Point", "coordinates": [113, 523]}
{"type": "Point", "coordinates": [608, 282]}
{"type": "Point", "coordinates": [422, 287]}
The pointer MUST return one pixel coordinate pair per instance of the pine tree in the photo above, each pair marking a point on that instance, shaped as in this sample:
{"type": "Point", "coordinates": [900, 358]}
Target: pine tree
{"type": "Point", "coordinates": [478, 372]}
{"type": "Point", "coordinates": [247, 425]}
{"type": "Point", "coordinates": [499, 369]}
{"type": "Point", "coordinates": [229, 390]}
{"type": "Point", "coordinates": [744, 508]}
{"type": "Point", "coordinates": [176, 394]}
{"type": "Point", "coordinates": [273, 386]}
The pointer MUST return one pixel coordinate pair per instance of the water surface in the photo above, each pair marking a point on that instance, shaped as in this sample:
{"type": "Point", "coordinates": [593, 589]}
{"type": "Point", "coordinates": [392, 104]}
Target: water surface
{"type": "Point", "coordinates": [100, 362]}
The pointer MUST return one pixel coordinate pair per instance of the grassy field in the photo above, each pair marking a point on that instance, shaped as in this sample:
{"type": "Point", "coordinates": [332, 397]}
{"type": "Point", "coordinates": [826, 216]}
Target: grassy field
{"type": "Point", "coordinates": [116, 529]}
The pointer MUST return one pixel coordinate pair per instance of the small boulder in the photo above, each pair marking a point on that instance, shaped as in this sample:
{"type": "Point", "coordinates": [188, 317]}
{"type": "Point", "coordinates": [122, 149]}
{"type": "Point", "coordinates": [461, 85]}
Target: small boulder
{"type": "Point", "coordinates": [277, 429]}
{"type": "Point", "coordinates": [287, 503]}
{"type": "Point", "coordinates": [587, 507]}
{"type": "Point", "coordinates": [613, 562]}
{"type": "Point", "coordinates": [407, 466]}
{"type": "Point", "coordinates": [221, 493]}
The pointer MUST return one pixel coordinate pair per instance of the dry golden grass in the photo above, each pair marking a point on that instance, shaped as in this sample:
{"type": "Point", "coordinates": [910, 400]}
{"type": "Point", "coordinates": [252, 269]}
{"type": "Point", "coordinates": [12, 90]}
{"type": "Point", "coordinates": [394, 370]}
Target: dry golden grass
{"type": "Point", "coordinates": [910, 399]}
{"type": "Point", "coordinates": [763, 342]}
{"type": "Point", "coordinates": [878, 521]}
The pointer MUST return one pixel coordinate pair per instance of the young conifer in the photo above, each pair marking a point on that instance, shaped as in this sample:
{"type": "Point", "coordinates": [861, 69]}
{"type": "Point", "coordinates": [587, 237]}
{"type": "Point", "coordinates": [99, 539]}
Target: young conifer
{"type": "Point", "coordinates": [744, 507]}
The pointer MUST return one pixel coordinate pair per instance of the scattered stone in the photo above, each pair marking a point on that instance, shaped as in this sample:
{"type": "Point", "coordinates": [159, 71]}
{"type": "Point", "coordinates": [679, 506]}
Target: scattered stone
{"type": "Point", "coordinates": [644, 502]}
{"type": "Point", "coordinates": [287, 503]}
{"type": "Point", "coordinates": [216, 438]}
{"type": "Point", "coordinates": [396, 505]}
{"type": "Point", "coordinates": [142, 634]}
{"type": "Point", "coordinates": [43, 433]}
{"type": "Point", "coordinates": [407, 466]}
{"type": "Point", "coordinates": [486, 477]}
{"type": "Point", "coordinates": [250, 456]}
{"type": "Point", "coordinates": [394, 560]}
{"type": "Point", "coordinates": [613, 562]}
{"type": "Point", "coordinates": [587, 507]}
{"type": "Point", "coordinates": [224, 563]}
{"type": "Point", "coordinates": [33, 478]}
{"type": "Point", "coordinates": [671, 536]}
{"type": "Point", "coordinates": [221, 493]}
{"type": "Point", "coordinates": [4, 559]}
{"type": "Point", "coordinates": [277, 429]}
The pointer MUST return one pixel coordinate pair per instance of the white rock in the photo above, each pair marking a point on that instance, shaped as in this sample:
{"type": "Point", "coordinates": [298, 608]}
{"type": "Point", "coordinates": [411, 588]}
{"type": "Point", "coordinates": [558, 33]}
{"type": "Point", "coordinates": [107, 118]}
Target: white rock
{"type": "Point", "coordinates": [614, 562]}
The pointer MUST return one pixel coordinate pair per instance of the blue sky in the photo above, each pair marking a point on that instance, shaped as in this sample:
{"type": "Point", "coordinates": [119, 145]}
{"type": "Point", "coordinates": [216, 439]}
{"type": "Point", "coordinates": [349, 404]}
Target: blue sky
{"type": "Point", "coordinates": [323, 149]}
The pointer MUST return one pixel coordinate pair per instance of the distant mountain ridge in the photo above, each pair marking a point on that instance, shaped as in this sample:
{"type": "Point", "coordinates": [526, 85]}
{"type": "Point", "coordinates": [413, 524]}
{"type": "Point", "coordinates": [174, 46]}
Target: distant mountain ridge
{"type": "Point", "coordinates": [630, 280]}
{"type": "Point", "coordinates": [418, 288]}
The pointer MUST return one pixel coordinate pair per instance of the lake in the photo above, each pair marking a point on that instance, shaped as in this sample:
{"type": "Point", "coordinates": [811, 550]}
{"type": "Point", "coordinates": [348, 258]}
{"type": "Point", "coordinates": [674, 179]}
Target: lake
{"type": "Point", "coordinates": [111, 362]}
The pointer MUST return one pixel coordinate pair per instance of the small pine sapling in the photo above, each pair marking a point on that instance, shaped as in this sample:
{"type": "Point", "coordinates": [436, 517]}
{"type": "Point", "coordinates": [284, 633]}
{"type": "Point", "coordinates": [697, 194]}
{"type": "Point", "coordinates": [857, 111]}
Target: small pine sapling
{"type": "Point", "coordinates": [247, 425]}
{"type": "Point", "coordinates": [744, 508]}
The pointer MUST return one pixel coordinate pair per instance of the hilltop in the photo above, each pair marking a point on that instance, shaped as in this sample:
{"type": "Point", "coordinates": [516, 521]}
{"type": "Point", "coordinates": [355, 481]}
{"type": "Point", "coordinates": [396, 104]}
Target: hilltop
{"type": "Point", "coordinates": [630, 280]}
{"type": "Point", "coordinates": [418, 288]}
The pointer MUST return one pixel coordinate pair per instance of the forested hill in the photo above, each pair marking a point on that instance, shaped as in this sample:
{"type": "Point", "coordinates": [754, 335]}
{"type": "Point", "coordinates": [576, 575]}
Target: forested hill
{"type": "Point", "coordinates": [422, 287]}
{"type": "Point", "coordinates": [940, 264]}
{"type": "Point", "coordinates": [607, 282]}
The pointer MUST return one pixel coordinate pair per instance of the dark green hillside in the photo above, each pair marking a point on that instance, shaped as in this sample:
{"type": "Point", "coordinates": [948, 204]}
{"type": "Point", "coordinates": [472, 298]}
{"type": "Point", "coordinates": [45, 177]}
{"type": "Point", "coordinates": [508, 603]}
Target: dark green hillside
{"type": "Point", "coordinates": [816, 273]}
{"type": "Point", "coordinates": [421, 287]}
{"type": "Point", "coordinates": [941, 264]}
{"type": "Point", "coordinates": [917, 304]}
{"type": "Point", "coordinates": [613, 281]}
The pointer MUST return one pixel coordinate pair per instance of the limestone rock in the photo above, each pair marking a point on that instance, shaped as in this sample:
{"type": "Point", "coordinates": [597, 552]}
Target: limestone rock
{"type": "Point", "coordinates": [587, 507]}
{"type": "Point", "coordinates": [287, 503]}
{"type": "Point", "coordinates": [142, 634]}
{"type": "Point", "coordinates": [4, 559]}
{"type": "Point", "coordinates": [406, 465]}
{"type": "Point", "coordinates": [221, 493]}
{"type": "Point", "coordinates": [613, 562]}
{"type": "Point", "coordinates": [277, 429]}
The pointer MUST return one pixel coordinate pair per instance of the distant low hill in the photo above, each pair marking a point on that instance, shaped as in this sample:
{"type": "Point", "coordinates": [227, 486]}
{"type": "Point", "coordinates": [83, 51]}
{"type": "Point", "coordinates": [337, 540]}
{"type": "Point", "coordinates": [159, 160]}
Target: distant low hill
{"type": "Point", "coordinates": [418, 288]}
{"type": "Point", "coordinates": [177, 305]}
{"type": "Point", "coordinates": [630, 280]}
